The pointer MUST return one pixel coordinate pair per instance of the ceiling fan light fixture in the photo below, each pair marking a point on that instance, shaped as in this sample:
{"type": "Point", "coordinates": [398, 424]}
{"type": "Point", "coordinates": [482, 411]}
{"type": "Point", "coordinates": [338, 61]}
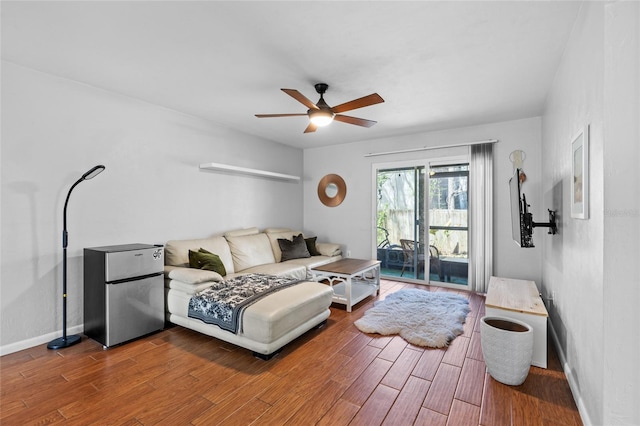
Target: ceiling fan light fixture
{"type": "Point", "coordinates": [320, 114]}
{"type": "Point", "coordinates": [321, 117]}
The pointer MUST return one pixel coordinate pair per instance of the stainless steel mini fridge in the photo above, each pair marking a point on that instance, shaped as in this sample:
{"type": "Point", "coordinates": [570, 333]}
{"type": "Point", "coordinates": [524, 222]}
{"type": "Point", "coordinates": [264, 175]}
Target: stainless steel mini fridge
{"type": "Point", "coordinates": [123, 292]}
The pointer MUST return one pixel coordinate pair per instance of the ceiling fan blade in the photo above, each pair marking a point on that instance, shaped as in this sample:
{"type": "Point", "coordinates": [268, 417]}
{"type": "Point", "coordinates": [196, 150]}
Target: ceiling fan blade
{"type": "Point", "coordinates": [354, 120]}
{"type": "Point", "coordinates": [310, 128]}
{"type": "Point", "coordinates": [279, 115]}
{"type": "Point", "coordinates": [372, 99]}
{"type": "Point", "coordinates": [300, 98]}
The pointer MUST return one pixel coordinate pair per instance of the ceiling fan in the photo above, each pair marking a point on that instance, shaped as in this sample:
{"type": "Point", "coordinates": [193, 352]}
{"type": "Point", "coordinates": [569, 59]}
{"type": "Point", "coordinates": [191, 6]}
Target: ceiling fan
{"type": "Point", "coordinates": [321, 114]}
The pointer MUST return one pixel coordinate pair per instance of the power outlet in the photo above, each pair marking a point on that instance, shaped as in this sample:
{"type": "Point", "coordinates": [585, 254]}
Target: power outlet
{"type": "Point", "coordinates": [348, 253]}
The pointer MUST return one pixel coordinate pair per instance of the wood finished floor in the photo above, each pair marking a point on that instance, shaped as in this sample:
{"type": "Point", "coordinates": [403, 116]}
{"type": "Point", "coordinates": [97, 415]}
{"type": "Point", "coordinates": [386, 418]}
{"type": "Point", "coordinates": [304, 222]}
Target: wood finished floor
{"type": "Point", "coordinates": [332, 376]}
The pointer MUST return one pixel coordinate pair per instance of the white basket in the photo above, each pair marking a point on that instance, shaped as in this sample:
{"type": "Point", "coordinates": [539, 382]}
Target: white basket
{"type": "Point", "coordinates": [507, 347]}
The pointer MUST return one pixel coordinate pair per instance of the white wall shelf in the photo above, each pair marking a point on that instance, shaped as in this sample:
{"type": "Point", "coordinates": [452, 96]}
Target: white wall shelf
{"type": "Point", "coordinates": [248, 171]}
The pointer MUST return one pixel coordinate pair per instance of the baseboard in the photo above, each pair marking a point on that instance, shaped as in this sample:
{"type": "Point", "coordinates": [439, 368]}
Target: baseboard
{"type": "Point", "coordinates": [39, 340]}
{"type": "Point", "coordinates": [570, 378]}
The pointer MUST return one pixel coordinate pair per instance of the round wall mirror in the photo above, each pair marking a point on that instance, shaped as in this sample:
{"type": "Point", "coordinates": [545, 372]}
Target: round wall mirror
{"type": "Point", "coordinates": [332, 190]}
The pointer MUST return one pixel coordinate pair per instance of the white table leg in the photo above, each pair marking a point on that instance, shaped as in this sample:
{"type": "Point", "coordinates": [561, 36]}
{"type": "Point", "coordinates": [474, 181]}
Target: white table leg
{"type": "Point", "coordinates": [376, 273]}
{"type": "Point", "coordinates": [347, 291]}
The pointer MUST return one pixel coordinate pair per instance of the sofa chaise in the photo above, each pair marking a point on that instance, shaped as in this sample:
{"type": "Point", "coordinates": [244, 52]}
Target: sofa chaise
{"type": "Point", "coordinates": [274, 320]}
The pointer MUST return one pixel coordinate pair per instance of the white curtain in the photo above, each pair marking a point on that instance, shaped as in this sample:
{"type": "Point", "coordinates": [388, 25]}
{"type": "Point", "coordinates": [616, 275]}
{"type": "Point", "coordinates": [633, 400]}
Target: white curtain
{"type": "Point", "coordinates": [481, 217]}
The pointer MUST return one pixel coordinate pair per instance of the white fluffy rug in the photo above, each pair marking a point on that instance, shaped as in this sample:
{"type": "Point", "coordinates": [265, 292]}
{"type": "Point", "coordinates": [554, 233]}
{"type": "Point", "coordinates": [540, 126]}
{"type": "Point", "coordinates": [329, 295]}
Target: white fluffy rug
{"type": "Point", "coordinates": [420, 317]}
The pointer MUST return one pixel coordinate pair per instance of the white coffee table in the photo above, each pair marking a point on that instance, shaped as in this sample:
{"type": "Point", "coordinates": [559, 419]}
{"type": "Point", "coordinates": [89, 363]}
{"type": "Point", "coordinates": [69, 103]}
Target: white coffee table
{"type": "Point", "coordinates": [352, 280]}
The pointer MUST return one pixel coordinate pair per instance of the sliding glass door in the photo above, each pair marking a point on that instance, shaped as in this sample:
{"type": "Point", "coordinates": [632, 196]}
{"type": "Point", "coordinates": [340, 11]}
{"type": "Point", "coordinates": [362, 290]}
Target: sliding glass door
{"type": "Point", "coordinates": [422, 221]}
{"type": "Point", "coordinates": [400, 221]}
{"type": "Point", "coordinates": [448, 222]}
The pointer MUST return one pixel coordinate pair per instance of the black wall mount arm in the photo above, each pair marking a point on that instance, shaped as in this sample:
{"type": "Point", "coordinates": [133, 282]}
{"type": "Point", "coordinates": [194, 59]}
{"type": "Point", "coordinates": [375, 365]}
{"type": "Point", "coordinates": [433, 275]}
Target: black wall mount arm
{"type": "Point", "coordinates": [553, 228]}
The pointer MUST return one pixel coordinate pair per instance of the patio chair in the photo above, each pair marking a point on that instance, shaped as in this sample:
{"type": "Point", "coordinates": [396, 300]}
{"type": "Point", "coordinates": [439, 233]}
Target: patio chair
{"type": "Point", "coordinates": [409, 253]}
{"type": "Point", "coordinates": [435, 266]}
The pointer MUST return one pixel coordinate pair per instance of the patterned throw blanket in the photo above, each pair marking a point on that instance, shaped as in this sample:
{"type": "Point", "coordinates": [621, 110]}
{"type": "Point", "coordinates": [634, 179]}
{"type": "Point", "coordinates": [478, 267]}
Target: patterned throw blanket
{"type": "Point", "coordinates": [224, 303]}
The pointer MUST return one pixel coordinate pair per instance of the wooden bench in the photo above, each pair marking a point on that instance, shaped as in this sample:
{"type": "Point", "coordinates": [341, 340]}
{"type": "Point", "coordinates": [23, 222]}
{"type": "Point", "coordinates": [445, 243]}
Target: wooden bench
{"type": "Point", "coordinates": [520, 300]}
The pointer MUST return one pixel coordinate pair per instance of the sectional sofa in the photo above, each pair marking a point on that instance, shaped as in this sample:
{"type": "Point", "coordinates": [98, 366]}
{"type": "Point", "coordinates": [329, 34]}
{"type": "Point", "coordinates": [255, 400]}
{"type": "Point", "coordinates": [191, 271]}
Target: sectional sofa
{"type": "Point", "coordinates": [276, 319]}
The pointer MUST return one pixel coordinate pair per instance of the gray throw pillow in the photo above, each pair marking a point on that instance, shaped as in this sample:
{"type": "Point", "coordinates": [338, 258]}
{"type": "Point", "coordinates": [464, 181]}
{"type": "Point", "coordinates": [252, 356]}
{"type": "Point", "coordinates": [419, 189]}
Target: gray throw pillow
{"type": "Point", "coordinates": [311, 246]}
{"type": "Point", "coordinates": [295, 249]}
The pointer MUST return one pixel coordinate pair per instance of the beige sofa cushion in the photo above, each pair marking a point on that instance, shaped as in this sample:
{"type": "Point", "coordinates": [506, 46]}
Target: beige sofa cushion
{"type": "Point", "coordinates": [286, 269]}
{"type": "Point", "coordinates": [329, 249]}
{"type": "Point", "coordinates": [273, 230]}
{"type": "Point", "coordinates": [189, 289]}
{"type": "Point", "coordinates": [250, 250]}
{"type": "Point", "coordinates": [313, 261]}
{"type": "Point", "coordinates": [191, 275]}
{"type": "Point", "coordinates": [241, 232]}
{"type": "Point", "coordinates": [282, 311]}
{"type": "Point", "coordinates": [176, 252]}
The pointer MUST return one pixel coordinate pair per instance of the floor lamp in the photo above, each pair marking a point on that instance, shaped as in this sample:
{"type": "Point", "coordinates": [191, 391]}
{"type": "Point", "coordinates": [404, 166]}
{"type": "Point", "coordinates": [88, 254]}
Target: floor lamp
{"type": "Point", "coordinates": [66, 341]}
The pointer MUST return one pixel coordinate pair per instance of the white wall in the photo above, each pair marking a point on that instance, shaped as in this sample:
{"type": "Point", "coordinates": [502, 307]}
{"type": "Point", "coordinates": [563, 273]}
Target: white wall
{"type": "Point", "coordinates": [622, 213]}
{"type": "Point", "coordinates": [53, 130]}
{"type": "Point", "coordinates": [593, 267]}
{"type": "Point", "coordinates": [352, 223]}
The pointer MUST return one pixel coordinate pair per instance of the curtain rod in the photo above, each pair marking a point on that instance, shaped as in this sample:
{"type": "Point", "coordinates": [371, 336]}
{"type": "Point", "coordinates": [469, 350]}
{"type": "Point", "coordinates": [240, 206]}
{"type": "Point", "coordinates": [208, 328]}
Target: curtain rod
{"type": "Point", "coordinates": [426, 148]}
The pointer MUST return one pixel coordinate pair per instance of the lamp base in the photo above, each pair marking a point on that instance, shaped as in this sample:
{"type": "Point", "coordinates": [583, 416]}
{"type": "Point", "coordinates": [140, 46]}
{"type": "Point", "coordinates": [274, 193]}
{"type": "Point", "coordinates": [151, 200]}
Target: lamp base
{"type": "Point", "coordinates": [64, 342]}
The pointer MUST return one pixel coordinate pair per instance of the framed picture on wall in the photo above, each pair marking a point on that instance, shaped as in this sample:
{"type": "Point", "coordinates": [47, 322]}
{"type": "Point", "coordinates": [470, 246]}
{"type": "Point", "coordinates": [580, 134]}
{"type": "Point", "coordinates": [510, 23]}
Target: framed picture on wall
{"type": "Point", "coordinates": [580, 175]}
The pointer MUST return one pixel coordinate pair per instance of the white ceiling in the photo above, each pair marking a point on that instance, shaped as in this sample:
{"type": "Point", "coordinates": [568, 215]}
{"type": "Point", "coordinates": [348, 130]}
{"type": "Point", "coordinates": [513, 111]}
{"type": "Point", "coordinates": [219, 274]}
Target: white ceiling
{"type": "Point", "coordinates": [437, 64]}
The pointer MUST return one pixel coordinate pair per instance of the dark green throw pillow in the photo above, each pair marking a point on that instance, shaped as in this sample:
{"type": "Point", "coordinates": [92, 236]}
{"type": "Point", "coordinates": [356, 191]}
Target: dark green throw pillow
{"type": "Point", "coordinates": [203, 259]}
{"type": "Point", "coordinates": [311, 246]}
{"type": "Point", "coordinates": [295, 249]}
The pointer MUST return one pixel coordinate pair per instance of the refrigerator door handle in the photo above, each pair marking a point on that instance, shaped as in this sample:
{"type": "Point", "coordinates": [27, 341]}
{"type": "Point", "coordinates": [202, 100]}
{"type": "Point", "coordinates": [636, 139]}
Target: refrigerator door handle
{"type": "Point", "coordinates": [128, 280]}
